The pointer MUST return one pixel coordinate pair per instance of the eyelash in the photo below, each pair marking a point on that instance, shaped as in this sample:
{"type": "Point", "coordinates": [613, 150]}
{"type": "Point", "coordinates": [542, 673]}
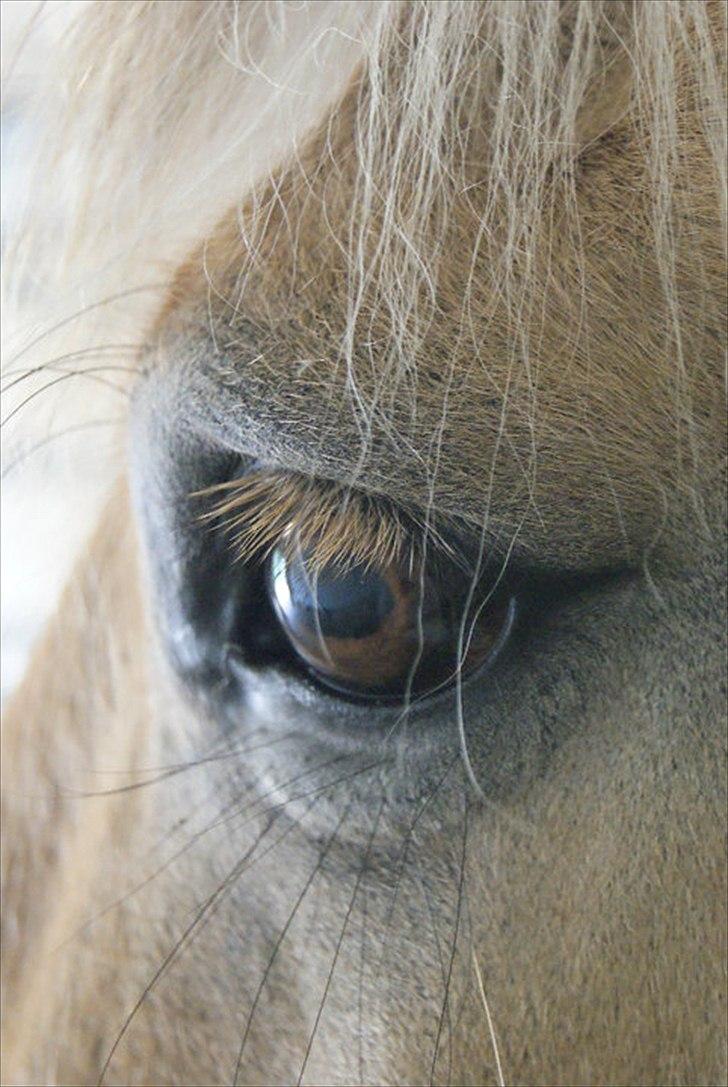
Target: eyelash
{"type": "Point", "coordinates": [436, 628]}
{"type": "Point", "coordinates": [331, 521]}
{"type": "Point", "coordinates": [264, 509]}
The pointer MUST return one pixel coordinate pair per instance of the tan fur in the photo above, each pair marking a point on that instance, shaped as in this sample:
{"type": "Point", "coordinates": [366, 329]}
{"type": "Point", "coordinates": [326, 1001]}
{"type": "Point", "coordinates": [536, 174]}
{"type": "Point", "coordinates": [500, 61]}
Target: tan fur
{"type": "Point", "coordinates": [528, 343]}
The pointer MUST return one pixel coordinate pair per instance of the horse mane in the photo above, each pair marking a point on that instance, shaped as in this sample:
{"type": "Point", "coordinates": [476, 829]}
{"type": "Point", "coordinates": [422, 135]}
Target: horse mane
{"type": "Point", "coordinates": [152, 121]}
{"type": "Point", "coordinates": [155, 119]}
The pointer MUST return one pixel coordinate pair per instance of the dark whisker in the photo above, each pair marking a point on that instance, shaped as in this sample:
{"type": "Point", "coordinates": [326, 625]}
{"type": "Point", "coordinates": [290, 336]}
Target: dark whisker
{"type": "Point", "coordinates": [173, 771]}
{"type": "Point", "coordinates": [224, 817]}
{"type": "Point", "coordinates": [202, 914]}
{"type": "Point", "coordinates": [176, 856]}
{"type": "Point", "coordinates": [50, 438]}
{"type": "Point", "coordinates": [404, 853]}
{"type": "Point", "coordinates": [91, 374]}
{"type": "Point", "coordinates": [446, 997]}
{"type": "Point", "coordinates": [53, 365]}
{"type": "Point", "coordinates": [440, 956]}
{"type": "Point", "coordinates": [209, 906]}
{"type": "Point", "coordinates": [340, 940]}
{"type": "Point", "coordinates": [469, 977]}
{"type": "Point", "coordinates": [281, 937]}
{"type": "Point", "coordinates": [277, 788]}
{"type": "Point", "coordinates": [274, 810]}
{"type": "Point", "coordinates": [360, 995]}
{"type": "Point", "coordinates": [109, 300]}
{"type": "Point", "coordinates": [319, 789]}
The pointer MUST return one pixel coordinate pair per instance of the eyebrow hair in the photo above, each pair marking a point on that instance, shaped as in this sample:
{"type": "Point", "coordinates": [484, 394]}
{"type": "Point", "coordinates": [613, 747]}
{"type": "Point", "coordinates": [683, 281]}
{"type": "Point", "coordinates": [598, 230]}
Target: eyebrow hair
{"type": "Point", "coordinates": [332, 522]}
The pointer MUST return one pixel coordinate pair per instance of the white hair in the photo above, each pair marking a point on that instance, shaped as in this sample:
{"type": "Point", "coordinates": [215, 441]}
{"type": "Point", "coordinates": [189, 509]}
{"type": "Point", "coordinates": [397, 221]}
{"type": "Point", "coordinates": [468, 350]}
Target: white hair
{"type": "Point", "coordinates": [159, 116]}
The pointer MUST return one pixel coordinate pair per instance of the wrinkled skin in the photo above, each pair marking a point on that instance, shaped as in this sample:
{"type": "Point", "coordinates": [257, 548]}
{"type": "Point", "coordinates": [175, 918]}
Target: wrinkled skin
{"type": "Point", "coordinates": [587, 882]}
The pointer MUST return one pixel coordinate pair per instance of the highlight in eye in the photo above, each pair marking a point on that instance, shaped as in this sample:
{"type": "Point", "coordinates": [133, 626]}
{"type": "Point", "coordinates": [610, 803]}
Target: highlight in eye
{"type": "Point", "coordinates": [376, 632]}
{"type": "Point", "coordinates": [366, 599]}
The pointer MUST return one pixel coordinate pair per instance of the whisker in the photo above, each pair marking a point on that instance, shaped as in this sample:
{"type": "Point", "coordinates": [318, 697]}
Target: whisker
{"type": "Point", "coordinates": [465, 1000]}
{"type": "Point", "coordinates": [360, 1000]}
{"type": "Point", "coordinates": [173, 771]}
{"type": "Point", "coordinates": [461, 884]}
{"type": "Point", "coordinates": [91, 374]}
{"type": "Point", "coordinates": [50, 438]}
{"type": "Point", "coordinates": [489, 1020]}
{"type": "Point", "coordinates": [53, 365]}
{"type": "Point", "coordinates": [439, 949]}
{"type": "Point", "coordinates": [202, 914]}
{"type": "Point", "coordinates": [340, 941]}
{"type": "Point", "coordinates": [109, 300]}
{"type": "Point", "coordinates": [404, 852]}
{"type": "Point", "coordinates": [292, 781]}
{"type": "Point", "coordinates": [350, 775]}
{"type": "Point", "coordinates": [275, 810]}
{"type": "Point", "coordinates": [224, 818]}
{"type": "Point", "coordinates": [208, 907]}
{"type": "Point", "coordinates": [281, 937]}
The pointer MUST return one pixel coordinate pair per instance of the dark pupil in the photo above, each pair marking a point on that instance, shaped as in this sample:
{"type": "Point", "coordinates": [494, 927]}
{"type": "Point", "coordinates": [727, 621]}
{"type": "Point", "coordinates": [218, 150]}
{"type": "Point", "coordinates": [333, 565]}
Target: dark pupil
{"type": "Point", "coordinates": [375, 632]}
{"type": "Point", "coordinates": [338, 603]}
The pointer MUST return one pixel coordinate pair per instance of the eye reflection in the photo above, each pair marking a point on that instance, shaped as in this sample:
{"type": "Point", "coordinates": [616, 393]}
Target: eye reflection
{"type": "Point", "coordinates": [377, 632]}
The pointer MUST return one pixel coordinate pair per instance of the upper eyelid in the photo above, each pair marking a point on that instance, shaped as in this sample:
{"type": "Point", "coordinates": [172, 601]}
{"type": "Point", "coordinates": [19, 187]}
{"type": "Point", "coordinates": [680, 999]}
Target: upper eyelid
{"type": "Point", "coordinates": [331, 521]}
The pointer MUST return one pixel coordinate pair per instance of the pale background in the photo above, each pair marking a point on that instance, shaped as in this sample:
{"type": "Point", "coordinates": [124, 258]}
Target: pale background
{"type": "Point", "coordinates": [62, 448]}
{"type": "Point", "coordinates": [51, 492]}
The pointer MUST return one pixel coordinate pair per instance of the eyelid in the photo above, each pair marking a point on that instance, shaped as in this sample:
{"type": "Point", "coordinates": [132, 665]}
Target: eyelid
{"type": "Point", "coordinates": [333, 522]}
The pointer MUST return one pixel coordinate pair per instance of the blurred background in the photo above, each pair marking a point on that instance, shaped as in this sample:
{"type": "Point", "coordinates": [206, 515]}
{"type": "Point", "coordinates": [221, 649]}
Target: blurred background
{"type": "Point", "coordinates": [60, 432]}
{"type": "Point", "coordinates": [113, 209]}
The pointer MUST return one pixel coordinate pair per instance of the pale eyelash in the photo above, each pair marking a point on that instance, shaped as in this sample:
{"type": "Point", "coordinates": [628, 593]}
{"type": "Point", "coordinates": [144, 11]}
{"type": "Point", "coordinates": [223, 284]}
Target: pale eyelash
{"type": "Point", "coordinates": [331, 522]}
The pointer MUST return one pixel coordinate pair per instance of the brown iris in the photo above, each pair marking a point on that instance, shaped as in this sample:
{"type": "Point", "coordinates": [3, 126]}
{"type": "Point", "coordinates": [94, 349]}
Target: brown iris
{"type": "Point", "coordinates": [380, 632]}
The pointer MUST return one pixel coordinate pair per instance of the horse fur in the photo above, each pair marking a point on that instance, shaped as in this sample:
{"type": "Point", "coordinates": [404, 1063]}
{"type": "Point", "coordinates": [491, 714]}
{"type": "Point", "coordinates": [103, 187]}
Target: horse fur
{"type": "Point", "coordinates": [453, 258]}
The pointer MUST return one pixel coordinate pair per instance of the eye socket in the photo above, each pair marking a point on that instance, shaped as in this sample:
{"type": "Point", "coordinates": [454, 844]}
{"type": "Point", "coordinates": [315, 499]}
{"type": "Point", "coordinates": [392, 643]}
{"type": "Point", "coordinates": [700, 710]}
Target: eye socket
{"type": "Point", "coordinates": [384, 633]}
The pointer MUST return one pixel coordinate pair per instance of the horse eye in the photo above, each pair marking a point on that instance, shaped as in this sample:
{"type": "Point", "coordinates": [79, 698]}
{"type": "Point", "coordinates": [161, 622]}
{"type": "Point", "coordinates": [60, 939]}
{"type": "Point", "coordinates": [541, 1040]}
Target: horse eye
{"type": "Point", "coordinates": [382, 633]}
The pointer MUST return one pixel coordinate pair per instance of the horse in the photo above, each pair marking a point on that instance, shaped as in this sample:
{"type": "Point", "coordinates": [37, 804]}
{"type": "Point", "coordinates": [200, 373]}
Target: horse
{"type": "Point", "coordinates": [403, 622]}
